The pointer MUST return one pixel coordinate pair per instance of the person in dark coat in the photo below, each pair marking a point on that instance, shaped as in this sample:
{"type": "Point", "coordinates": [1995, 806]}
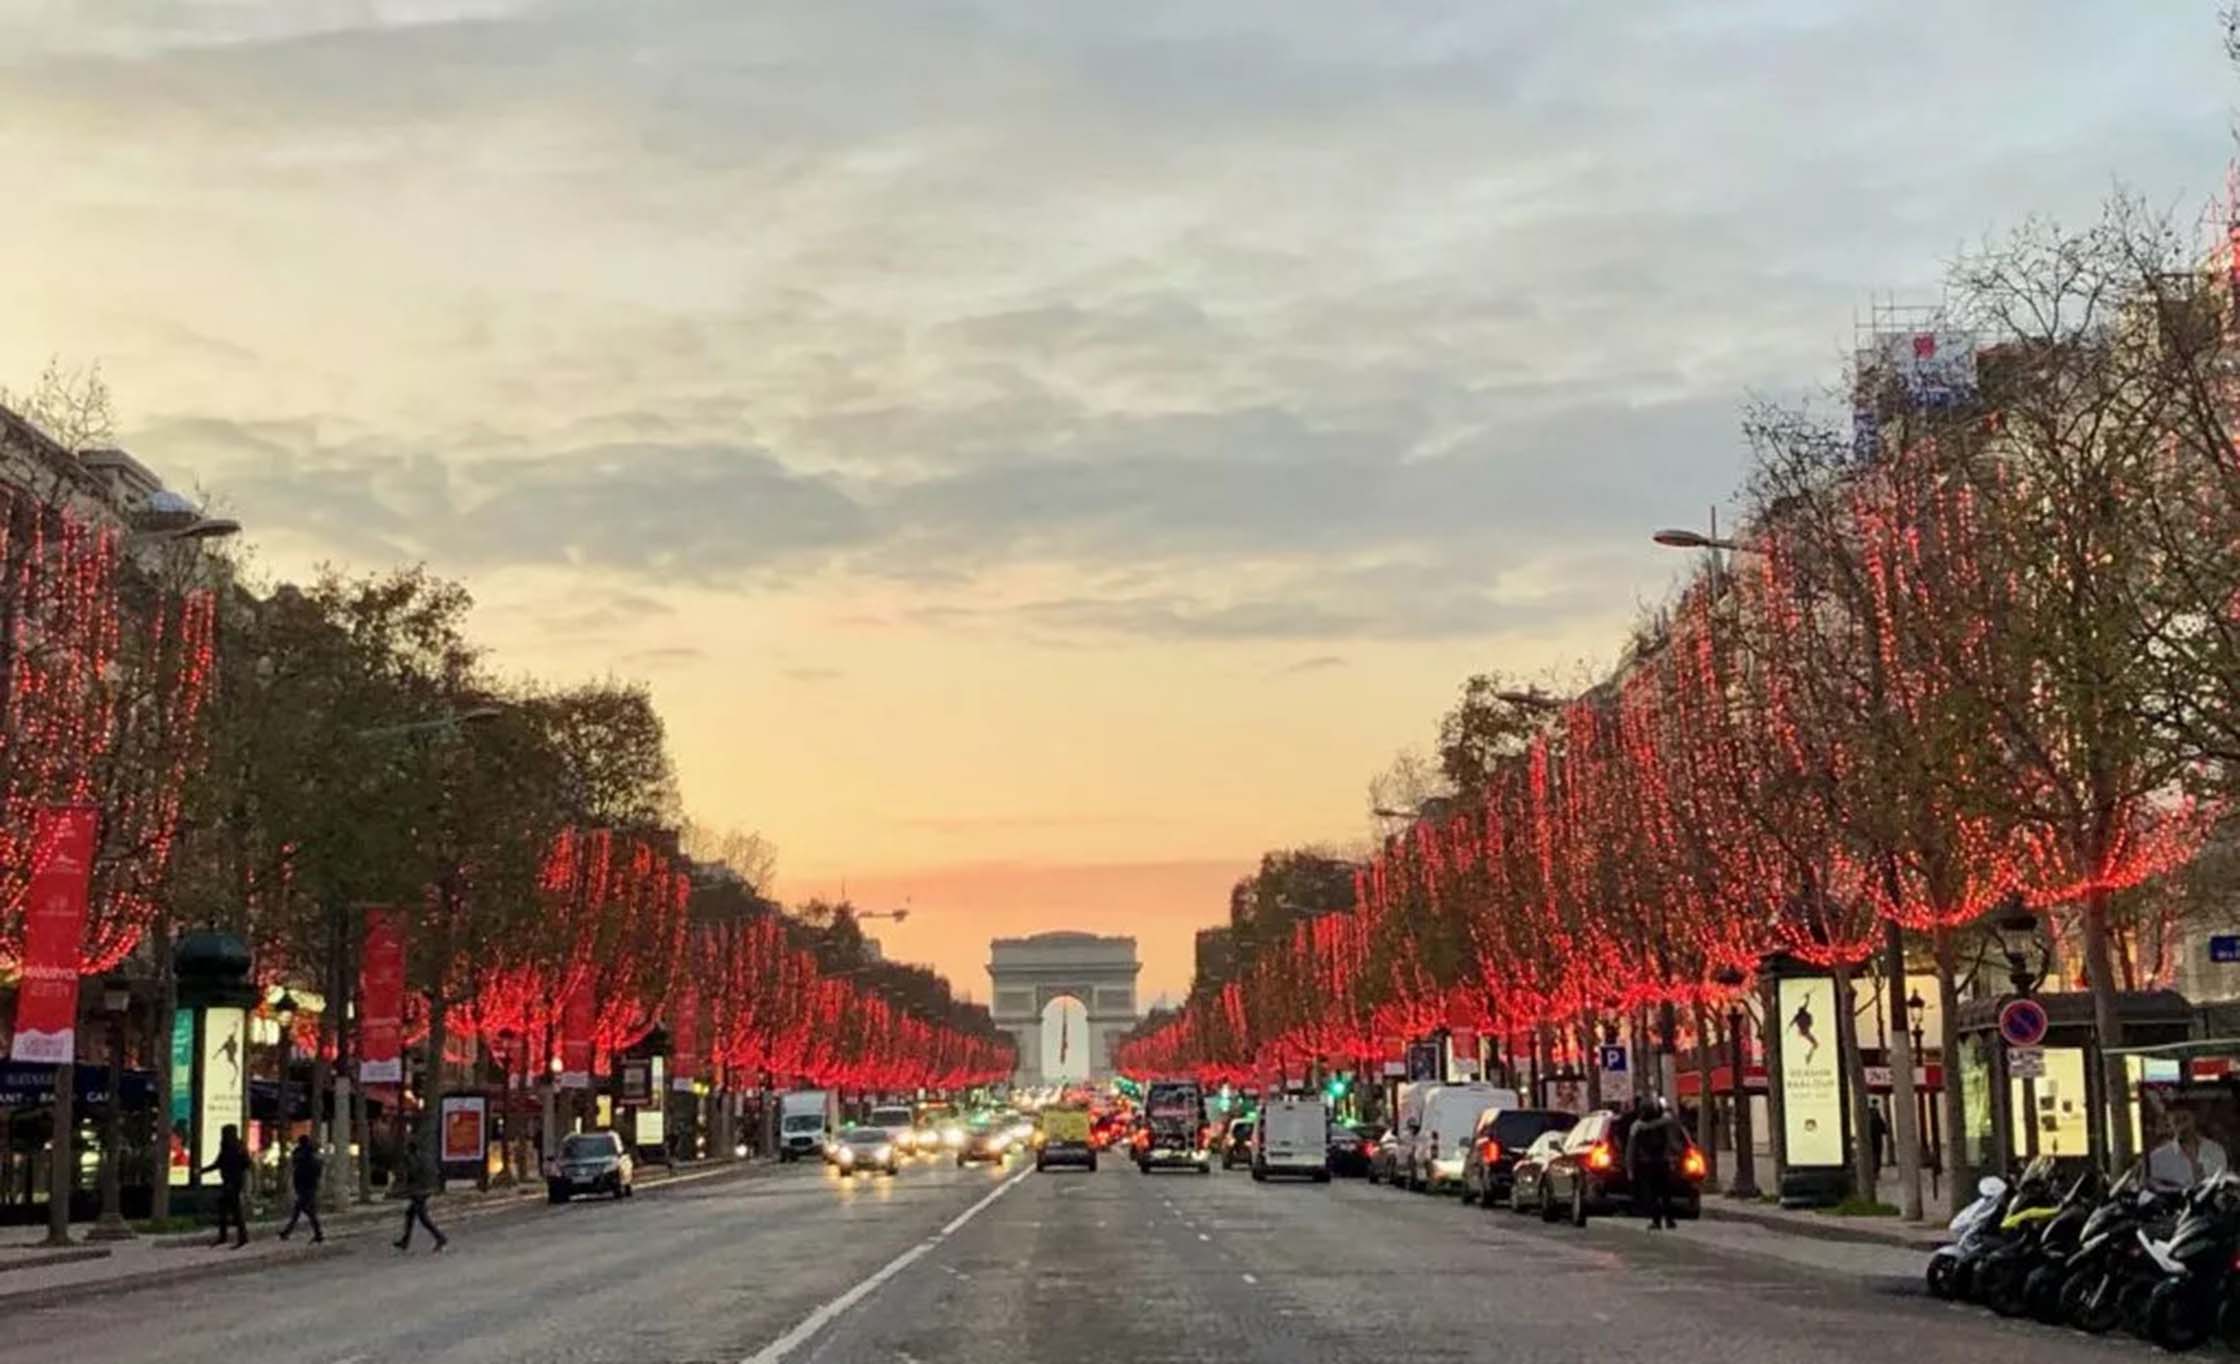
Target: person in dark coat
{"type": "Point", "coordinates": [1650, 1150]}
{"type": "Point", "coordinates": [304, 1169]}
{"type": "Point", "coordinates": [232, 1167]}
{"type": "Point", "coordinates": [419, 1185]}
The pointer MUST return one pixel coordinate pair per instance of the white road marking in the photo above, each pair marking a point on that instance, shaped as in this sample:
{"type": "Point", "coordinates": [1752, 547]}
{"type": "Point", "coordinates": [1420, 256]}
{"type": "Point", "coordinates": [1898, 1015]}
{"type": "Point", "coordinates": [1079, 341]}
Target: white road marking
{"type": "Point", "coordinates": [816, 1321]}
{"type": "Point", "coordinates": [1203, 1237]}
{"type": "Point", "coordinates": [1249, 1279]}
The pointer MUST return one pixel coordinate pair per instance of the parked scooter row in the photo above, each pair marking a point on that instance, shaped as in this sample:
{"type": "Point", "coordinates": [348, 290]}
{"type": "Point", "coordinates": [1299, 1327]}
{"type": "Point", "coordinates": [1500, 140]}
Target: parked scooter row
{"type": "Point", "coordinates": [2155, 1260]}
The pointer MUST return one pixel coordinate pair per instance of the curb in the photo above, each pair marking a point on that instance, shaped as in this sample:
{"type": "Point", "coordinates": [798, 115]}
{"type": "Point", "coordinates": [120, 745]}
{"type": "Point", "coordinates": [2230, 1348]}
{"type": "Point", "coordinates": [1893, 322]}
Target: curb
{"type": "Point", "coordinates": [57, 1257]}
{"type": "Point", "coordinates": [360, 1221]}
{"type": "Point", "coordinates": [65, 1293]}
{"type": "Point", "coordinates": [1837, 1229]}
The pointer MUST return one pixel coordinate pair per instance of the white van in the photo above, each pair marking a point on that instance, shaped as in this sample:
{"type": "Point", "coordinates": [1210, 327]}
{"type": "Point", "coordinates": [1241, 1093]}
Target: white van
{"type": "Point", "coordinates": [1293, 1138]}
{"type": "Point", "coordinates": [1438, 1144]}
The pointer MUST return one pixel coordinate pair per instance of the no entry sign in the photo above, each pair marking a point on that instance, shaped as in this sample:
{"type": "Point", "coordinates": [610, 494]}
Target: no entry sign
{"type": "Point", "coordinates": [2022, 1022]}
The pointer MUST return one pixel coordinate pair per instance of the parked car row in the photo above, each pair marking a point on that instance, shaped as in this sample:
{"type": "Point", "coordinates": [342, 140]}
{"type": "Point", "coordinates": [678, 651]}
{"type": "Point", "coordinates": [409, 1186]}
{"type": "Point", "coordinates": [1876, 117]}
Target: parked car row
{"type": "Point", "coordinates": [1503, 1154]}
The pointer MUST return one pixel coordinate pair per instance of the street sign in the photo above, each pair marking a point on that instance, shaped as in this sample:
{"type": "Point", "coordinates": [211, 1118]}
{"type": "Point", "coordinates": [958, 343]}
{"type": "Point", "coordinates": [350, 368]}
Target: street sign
{"type": "Point", "coordinates": [2022, 1022]}
{"type": "Point", "coordinates": [1395, 1069]}
{"type": "Point", "coordinates": [1613, 1058]}
{"type": "Point", "coordinates": [2026, 1063]}
{"type": "Point", "coordinates": [2224, 947]}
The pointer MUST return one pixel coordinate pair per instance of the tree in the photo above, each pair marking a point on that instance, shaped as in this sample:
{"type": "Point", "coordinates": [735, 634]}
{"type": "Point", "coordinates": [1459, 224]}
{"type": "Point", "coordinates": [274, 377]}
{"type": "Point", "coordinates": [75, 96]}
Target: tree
{"type": "Point", "coordinates": [1481, 729]}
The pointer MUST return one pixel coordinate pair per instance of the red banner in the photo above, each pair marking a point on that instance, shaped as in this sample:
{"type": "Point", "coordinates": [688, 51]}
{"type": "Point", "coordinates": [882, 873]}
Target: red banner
{"type": "Point", "coordinates": [381, 1000]}
{"type": "Point", "coordinates": [576, 1020]}
{"type": "Point", "coordinates": [53, 929]}
{"type": "Point", "coordinates": [684, 1041]}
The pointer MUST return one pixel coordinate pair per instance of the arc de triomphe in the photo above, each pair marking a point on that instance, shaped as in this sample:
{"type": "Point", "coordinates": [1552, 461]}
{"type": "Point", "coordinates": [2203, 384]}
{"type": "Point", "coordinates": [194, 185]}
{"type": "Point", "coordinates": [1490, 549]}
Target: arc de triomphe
{"type": "Point", "coordinates": [1030, 972]}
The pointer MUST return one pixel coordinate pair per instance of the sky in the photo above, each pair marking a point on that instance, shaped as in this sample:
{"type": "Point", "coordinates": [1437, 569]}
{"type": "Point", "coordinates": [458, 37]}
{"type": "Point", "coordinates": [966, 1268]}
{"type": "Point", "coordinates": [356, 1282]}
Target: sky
{"type": "Point", "coordinates": [1040, 454]}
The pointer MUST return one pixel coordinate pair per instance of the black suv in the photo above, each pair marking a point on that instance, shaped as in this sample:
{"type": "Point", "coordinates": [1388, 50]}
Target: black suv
{"type": "Point", "coordinates": [1501, 1137]}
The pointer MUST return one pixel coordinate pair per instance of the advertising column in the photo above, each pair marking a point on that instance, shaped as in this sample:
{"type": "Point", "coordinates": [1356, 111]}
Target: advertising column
{"type": "Point", "coordinates": [1811, 1087]}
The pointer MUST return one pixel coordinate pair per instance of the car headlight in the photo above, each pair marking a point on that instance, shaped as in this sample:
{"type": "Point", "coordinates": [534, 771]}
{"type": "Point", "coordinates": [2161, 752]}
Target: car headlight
{"type": "Point", "coordinates": [847, 1157]}
{"type": "Point", "coordinates": [952, 1138]}
{"type": "Point", "coordinates": [1198, 1155]}
{"type": "Point", "coordinates": [883, 1153]}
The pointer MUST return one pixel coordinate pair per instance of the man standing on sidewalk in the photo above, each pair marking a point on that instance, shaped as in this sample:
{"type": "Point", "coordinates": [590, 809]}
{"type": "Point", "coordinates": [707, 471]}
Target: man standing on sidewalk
{"type": "Point", "coordinates": [419, 1186]}
{"type": "Point", "coordinates": [304, 1171]}
{"type": "Point", "coordinates": [232, 1166]}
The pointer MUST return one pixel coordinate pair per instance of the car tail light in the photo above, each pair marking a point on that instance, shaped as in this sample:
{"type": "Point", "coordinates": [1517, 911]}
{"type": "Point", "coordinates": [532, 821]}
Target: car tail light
{"type": "Point", "coordinates": [1691, 1164]}
{"type": "Point", "coordinates": [1489, 1150]}
{"type": "Point", "coordinates": [1598, 1156]}
{"type": "Point", "coordinates": [1367, 1147]}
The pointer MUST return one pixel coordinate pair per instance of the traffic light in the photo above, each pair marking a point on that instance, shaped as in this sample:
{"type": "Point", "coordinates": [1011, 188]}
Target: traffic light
{"type": "Point", "coordinates": [1336, 1086]}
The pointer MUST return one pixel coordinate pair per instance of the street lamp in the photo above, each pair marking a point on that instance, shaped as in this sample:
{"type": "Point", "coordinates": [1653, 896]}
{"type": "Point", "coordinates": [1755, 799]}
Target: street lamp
{"type": "Point", "coordinates": [898, 915]}
{"type": "Point", "coordinates": [1917, 1010]}
{"type": "Point", "coordinates": [116, 1002]}
{"type": "Point", "coordinates": [2014, 918]}
{"type": "Point", "coordinates": [1745, 1182]}
{"type": "Point", "coordinates": [1531, 699]}
{"type": "Point", "coordinates": [1690, 539]}
{"type": "Point", "coordinates": [284, 1010]}
{"type": "Point", "coordinates": [200, 528]}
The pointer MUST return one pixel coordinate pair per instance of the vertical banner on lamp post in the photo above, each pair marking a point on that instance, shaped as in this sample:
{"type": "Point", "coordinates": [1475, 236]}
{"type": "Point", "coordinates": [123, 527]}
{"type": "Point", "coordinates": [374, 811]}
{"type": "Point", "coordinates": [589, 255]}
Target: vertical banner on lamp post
{"type": "Point", "coordinates": [54, 924]}
{"type": "Point", "coordinates": [1811, 1072]}
{"type": "Point", "coordinates": [684, 1041]}
{"type": "Point", "coordinates": [381, 995]}
{"type": "Point", "coordinates": [575, 1040]}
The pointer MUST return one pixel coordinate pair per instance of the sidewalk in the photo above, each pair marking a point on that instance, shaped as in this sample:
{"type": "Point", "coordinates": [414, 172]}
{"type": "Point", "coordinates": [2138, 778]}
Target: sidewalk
{"type": "Point", "coordinates": [37, 1275]}
{"type": "Point", "coordinates": [1802, 1222]}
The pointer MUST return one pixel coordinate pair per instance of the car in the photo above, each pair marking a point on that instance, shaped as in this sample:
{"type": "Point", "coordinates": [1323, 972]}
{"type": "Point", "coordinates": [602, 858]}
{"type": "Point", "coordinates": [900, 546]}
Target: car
{"type": "Point", "coordinates": [1528, 1176]}
{"type": "Point", "coordinates": [1587, 1175]}
{"type": "Point", "coordinates": [1503, 1134]}
{"type": "Point", "coordinates": [985, 1141]}
{"type": "Point", "coordinates": [1384, 1159]}
{"type": "Point", "coordinates": [1353, 1147]}
{"type": "Point", "coordinates": [1174, 1112]}
{"type": "Point", "coordinates": [862, 1150]}
{"type": "Point", "coordinates": [591, 1162]}
{"type": "Point", "coordinates": [1236, 1144]}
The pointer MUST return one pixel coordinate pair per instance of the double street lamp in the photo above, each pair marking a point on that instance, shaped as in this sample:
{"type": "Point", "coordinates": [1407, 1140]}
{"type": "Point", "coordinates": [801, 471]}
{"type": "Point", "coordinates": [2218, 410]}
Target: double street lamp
{"type": "Point", "coordinates": [116, 1003]}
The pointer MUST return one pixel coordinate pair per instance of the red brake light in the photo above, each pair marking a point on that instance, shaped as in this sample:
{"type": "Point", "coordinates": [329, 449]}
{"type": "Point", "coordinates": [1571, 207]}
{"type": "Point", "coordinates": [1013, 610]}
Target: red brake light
{"type": "Point", "coordinates": [1691, 1164]}
{"type": "Point", "coordinates": [1489, 1150]}
{"type": "Point", "coordinates": [1598, 1156]}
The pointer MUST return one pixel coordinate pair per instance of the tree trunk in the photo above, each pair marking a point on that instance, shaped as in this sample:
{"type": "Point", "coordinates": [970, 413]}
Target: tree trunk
{"type": "Point", "coordinates": [1855, 1076]}
{"type": "Point", "coordinates": [1905, 1129]}
{"type": "Point", "coordinates": [1769, 1046]}
{"type": "Point", "coordinates": [1706, 1138]}
{"type": "Point", "coordinates": [1591, 1062]}
{"type": "Point", "coordinates": [1956, 1171]}
{"type": "Point", "coordinates": [431, 1097]}
{"type": "Point", "coordinates": [2099, 965]}
{"type": "Point", "coordinates": [159, 1059]}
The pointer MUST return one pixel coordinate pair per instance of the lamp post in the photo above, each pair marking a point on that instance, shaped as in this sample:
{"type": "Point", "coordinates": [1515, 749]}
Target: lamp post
{"type": "Point", "coordinates": [551, 1134]}
{"type": "Point", "coordinates": [116, 1000]}
{"type": "Point", "coordinates": [284, 1011]}
{"type": "Point", "coordinates": [1745, 1182]}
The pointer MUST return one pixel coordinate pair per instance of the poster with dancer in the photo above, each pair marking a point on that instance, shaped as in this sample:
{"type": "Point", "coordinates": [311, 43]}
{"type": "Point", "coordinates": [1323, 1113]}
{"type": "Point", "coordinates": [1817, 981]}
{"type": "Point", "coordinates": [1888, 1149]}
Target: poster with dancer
{"type": "Point", "coordinates": [1811, 1074]}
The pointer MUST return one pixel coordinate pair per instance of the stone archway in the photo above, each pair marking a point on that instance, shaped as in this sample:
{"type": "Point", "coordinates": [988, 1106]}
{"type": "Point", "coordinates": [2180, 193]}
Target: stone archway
{"type": "Point", "coordinates": [1028, 973]}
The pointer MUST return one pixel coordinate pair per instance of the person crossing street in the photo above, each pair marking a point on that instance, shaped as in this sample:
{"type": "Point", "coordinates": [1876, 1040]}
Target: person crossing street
{"type": "Point", "coordinates": [304, 1169]}
{"type": "Point", "coordinates": [419, 1186]}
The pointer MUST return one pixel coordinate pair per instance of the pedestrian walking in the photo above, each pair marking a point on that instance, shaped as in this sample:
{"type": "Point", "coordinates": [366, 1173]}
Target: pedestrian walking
{"type": "Point", "coordinates": [304, 1171]}
{"type": "Point", "coordinates": [1878, 1128]}
{"type": "Point", "coordinates": [419, 1186]}
{"type": "Point", "coordinates": [1650, 1148]}
{"type": "Point", "coordinates": [232, 1167]}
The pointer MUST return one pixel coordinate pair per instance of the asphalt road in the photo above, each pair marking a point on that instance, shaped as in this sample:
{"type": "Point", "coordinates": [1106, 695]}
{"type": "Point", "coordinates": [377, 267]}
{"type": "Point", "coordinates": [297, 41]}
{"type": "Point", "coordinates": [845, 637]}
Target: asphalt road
{"type": "Point", "coordinates": [989, 1266]}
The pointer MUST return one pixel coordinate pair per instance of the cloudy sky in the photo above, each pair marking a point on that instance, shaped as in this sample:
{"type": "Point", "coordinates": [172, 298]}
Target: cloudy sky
{"type": "Point", "coordinates": [1040, 453]}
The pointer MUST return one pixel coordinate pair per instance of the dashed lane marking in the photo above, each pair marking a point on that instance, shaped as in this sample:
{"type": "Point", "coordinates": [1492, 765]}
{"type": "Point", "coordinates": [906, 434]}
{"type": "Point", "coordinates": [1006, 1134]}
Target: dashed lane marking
{"type": "Point", "coordinates": [1249, 1279]}
{"type": "Point", "coordinates": [824, 1316]}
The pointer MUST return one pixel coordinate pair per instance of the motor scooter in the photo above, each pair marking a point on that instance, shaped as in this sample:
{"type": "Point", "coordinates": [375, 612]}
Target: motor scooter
{"type": "Point", "coordinates": [1952, 1268]}
{"type": "Point", "coordinates": [2109, 1277]}
{"type": "Point", "coordinates": [2037, 1236]}
{"type": "Point", "coordinates": [2194, 1299]}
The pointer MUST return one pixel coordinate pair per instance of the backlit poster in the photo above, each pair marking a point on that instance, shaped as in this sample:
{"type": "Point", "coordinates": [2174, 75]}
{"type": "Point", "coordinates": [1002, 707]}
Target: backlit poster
{"type": "Point", "coordinates": [225, 1077]}
{"type": "Point", "coordinates": [1811, 1071]}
